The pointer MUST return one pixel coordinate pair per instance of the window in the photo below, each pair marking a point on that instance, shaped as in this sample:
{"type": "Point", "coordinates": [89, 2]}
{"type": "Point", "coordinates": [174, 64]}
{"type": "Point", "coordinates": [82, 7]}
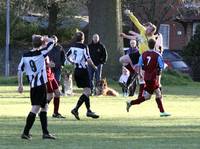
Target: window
{"type": "Point", "coordinates": [164, 30]}
{"type": "Point", "coordinates": [194, 27]}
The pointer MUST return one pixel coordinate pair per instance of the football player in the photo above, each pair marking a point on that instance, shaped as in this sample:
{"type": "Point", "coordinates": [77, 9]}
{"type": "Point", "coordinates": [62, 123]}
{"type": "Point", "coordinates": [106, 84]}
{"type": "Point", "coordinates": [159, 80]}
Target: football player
{"type": "Point", "coordinates": [78, 55]}
{"type": "Point", "coordinates": [151, 62]}
{"type": "Point", "coordinates": [33, 64]}
{"type": "Point", "coordinates": [53, 88]}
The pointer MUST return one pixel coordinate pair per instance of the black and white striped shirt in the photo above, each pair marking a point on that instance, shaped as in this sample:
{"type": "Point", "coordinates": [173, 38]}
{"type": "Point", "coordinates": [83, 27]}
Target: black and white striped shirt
{"type": "Point", "coordinates": [79, 54]}
{"type": "Point", "coordinates": [33, 64]}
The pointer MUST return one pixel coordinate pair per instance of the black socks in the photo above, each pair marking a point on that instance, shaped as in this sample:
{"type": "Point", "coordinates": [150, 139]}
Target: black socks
{"type": "Point", "coordinates": [43, 120]}
{"type": "Point", "coordinates": [29, 122]}
{"type": "Point", "coordinates": [81, 100]}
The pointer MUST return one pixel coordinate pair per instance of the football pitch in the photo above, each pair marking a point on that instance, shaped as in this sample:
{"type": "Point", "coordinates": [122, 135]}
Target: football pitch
{"type": "Point", "coordinates": [141, 128]}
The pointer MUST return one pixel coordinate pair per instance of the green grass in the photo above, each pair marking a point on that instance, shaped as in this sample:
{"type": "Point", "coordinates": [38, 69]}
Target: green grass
{"type": "Point", "coordinates": [141, 128]}
{"type": "Point", "coordinates": [171, 77]}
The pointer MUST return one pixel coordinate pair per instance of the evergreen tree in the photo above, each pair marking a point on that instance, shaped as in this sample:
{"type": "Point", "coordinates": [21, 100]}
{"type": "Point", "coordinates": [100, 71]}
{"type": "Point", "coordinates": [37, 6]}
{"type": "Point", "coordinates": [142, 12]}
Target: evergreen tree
{"type": "Point", "coordinates": [191, 54]}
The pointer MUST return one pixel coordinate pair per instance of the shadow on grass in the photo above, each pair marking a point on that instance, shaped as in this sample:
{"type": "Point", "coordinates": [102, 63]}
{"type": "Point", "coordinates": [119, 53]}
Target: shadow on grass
{"type": "Point", "coordinates": [120, 133]}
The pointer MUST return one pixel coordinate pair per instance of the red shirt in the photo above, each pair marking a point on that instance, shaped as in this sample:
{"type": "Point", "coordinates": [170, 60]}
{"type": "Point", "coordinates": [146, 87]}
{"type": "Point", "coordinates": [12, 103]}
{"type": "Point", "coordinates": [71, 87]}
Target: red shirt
{"type": "Point", "coordinates": [150, 65]}
{"type": "Point", "coordinates": [50, 74]}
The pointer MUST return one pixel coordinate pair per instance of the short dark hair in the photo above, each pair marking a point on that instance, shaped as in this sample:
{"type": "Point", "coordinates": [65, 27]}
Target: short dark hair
{"type": "Point", "coordinates": [151, 43]}
{"type": "Point", "coordinates": [79, 36]}
{"type": "Point", "coordinates": [36, 41]}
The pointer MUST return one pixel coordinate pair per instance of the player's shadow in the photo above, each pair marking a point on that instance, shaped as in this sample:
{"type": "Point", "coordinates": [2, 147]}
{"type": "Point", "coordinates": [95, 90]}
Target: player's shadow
{"type": "Point", "coordinates": [108, 133]}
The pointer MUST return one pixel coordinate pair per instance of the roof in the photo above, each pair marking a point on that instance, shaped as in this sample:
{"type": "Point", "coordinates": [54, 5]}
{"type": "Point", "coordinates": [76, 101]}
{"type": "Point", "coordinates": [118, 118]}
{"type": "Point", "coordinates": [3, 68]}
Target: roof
{"type": "Point", "coordinates": [188, 19]}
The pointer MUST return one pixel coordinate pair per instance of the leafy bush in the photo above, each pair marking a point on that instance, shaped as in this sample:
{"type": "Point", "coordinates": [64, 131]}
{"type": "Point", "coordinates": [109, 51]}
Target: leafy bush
{"type": "Point", "coordinates": [12, 80]}
{"type": "Point", "coordinates": [68, 69]}
{"type": "Point", "coordinates": [8, 81]}
{"type": "Point", "coordinates": [65, 34]}
{"type": "Point", "coordinates": [191, 54]}
{"type": "Point", "coordinates": [20, 31]}
{"type": "Point", "coordinates": [24, 31]}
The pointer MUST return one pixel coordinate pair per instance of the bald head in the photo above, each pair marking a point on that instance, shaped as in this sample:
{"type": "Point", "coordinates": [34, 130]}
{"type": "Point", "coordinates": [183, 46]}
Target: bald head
{"type": "Point", "coordinates": [95, 38]}
{"type": "Point", "coordinates": [133, 43]}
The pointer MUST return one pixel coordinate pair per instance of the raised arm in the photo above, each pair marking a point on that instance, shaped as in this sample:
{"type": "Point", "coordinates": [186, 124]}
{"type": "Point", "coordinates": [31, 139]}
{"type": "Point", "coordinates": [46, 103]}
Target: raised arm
{"type": "Point", "coordinates": [50, 44]}
{"type": "Point", "coordinates": [134, 33]}
{"type": "Point", "coordinates": [140, 27]}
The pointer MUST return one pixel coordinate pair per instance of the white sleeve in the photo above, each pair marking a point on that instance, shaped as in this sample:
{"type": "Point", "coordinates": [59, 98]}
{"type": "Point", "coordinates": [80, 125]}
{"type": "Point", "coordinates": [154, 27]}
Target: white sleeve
{"type": "Point", "coordinates": [48, 48]}
{"type": "Point", "coordinates": [21, 65]}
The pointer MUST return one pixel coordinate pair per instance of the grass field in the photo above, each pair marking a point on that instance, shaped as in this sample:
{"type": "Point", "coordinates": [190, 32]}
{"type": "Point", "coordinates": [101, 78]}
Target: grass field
{"type": "Point", "coordinates": [141, 128]}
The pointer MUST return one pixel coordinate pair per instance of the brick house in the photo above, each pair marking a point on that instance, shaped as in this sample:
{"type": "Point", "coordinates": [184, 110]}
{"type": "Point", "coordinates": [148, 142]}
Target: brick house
{"type": "Point", "coordinates": [178, 31]}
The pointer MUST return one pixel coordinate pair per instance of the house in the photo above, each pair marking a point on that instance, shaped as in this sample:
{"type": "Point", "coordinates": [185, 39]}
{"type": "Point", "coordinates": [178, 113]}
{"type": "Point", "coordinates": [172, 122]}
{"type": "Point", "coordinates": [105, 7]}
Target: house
{"type": "Point", "coordinates": [178, 31]}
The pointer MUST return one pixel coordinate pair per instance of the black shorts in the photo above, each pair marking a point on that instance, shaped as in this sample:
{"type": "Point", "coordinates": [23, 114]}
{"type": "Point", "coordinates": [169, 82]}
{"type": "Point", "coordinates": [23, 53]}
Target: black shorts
{"type": "Point", "coordinates": [39, 95]}
{"type": "Point", "coordinates": [81, 77]}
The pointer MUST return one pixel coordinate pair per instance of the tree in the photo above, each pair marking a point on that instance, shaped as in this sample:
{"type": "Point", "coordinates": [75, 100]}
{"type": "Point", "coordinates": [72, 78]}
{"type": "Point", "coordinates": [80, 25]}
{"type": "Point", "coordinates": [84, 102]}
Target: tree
{"type": "Point", "coordinates": [156, 11]}
{"type": "Point", "coordinates": [17, 8]}
{"type": "Point", "coordinates": [57, 10]}
{"type": "Point", "coordinates": [105, 19]}
{"type": "Point", "coordinates": [191, 54]}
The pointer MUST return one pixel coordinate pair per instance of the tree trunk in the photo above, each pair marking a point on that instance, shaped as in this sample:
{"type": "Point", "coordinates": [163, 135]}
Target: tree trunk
{"type": "Point", "coordinates": [53, 10]}
{"type": "Point", "coordinates": [105, 19]}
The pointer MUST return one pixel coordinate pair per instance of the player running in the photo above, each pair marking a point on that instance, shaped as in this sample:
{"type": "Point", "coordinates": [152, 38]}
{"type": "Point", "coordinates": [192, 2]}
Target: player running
{"type": "Point", "coordinates": [79, 55]}
{"type": "Point", "coordinates": [152, 64]}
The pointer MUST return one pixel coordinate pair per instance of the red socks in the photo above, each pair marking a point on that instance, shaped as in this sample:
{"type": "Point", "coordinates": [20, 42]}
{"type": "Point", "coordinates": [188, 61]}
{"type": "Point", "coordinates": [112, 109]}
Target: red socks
{"type": "Point", "coordinates": [141, 90]}
{"type": "Point", "coordinates": [159, 103]}
{"type": "Point", "coordinates": [137, 101]}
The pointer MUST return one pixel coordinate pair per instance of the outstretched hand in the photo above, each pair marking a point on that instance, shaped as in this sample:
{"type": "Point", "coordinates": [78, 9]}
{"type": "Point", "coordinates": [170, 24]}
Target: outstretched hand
{"type": "Point", "coordinates": [127, 12]}
{"type": "Point", "coordinates": [122, 35]}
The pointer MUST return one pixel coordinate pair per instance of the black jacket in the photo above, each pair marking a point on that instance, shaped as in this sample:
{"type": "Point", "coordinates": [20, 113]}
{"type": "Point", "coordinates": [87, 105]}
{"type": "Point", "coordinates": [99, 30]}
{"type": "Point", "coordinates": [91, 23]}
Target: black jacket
{"type": "Point", "coordinates": [57, 55]}
{"type": "Point", "coordinates": [98, 53]}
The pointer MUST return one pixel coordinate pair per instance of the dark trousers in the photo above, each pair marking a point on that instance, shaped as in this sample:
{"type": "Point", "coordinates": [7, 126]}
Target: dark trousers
{"type": "Point", "coordinates": [94, 73]}
{"type": "Point", "coordinates": [57, 74]}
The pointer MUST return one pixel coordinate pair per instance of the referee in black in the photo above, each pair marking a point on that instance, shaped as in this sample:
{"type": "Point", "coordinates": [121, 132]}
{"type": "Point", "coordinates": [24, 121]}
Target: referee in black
{"type": "Point", "coordinates": [78, 54]}
{"type": "Point", "coordinates": [33, 64]}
